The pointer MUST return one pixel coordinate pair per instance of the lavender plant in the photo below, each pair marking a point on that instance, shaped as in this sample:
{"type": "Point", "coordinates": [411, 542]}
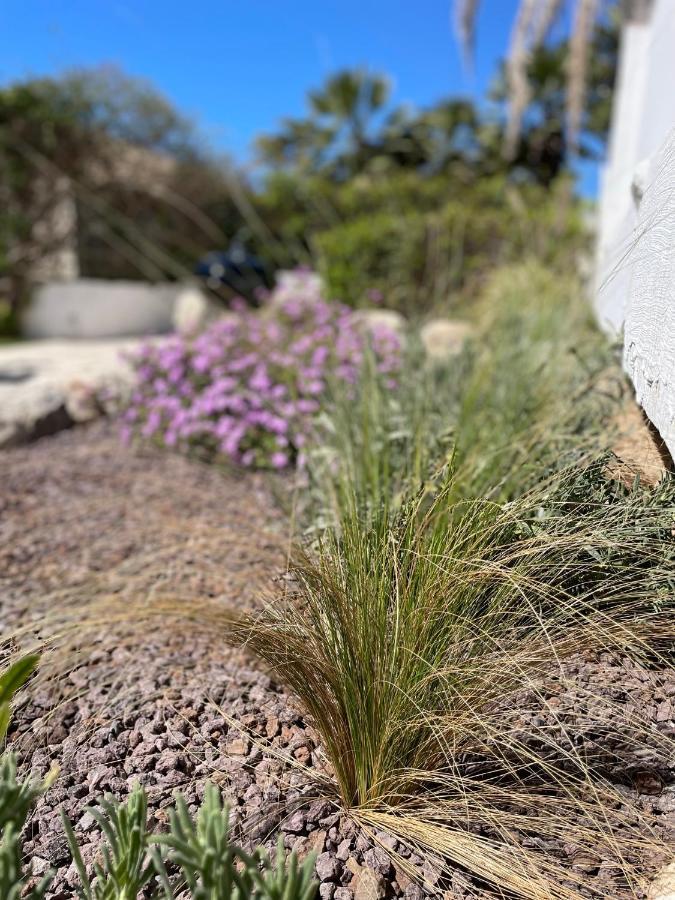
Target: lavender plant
{"type": "Point", "coordinates": [208, 864]}
{"type": "Point", "coordinates": [17, 798]}
{"type": "Point", "coordinates": [246, 389]}
{"type": "Point", "coordinates": [213, 868]}
{"type": "Point", "coordinates": [126, 866]}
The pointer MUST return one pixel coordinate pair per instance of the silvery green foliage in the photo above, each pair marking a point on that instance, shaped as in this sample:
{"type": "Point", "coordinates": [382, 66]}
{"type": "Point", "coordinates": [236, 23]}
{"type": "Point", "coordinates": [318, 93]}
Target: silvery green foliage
{"type": "Point", "coordinates": [14, 677]}
{"type": "Point", "coordinates": [213, 868]}
{"type": "Point", "coordinates": [287, 879]}
{"type": "Point", "coordinates": [210, 866]}
{"type": "Point", "coordinates": [13, 877]}
{"type": "Point", "coordinates": [127, 866]}
{"type": "Point", "coordinates": [17, 798]}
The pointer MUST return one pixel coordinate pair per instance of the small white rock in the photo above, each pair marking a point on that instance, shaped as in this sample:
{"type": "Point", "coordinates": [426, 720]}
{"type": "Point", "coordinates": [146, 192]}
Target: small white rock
{"type": "Point", "coordinates": [443, 338]}
{"type": "Point", "coordinates": [663, 886]}
{"type": "Point", "coordinates": [39, 865]}
{"type": "Point", "coordinates": [296, 284]}
{"type": "Point", "coordinates": [374, 320]}
{"type": "Point", "coordinates": [194, 310]}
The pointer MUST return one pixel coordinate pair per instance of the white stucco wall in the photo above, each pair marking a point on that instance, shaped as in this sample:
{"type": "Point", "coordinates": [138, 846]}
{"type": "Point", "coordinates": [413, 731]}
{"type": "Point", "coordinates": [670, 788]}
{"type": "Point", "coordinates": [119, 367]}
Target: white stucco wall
{"type": "Point", "coordinates": [649, 326]}
{"type": "Point", "coordinates": [635, 263]}
{"type": "Point", "coordinates": [97, 308]}
{"type": "Point", "coordinates": [617, 212]}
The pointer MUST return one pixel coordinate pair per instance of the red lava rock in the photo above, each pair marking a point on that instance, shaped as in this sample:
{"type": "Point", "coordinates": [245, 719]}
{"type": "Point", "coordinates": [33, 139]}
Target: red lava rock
{"type": "Point", "coordinates": [344, 850]}
{"type": "Point", "coordinates": [368, 885]}
{"type": "Point", "coordinates": [343, 893]}
{"type": "Point", "coordinates": [378, 860]}
{"type": "Point", "coordinates": [295, 823]}
{"type": "Point", "coordinates": [316, 842]}
{"type": "Point", "coordinates": [648, 783]}
{"type": "Point", "coordinates": [238, 747]}
{"type": "Point", "coordinates": [272, 727]}
{"type": "Point", "coordinates": [664, 711]}
{"type": "Point", "coordinates": [327, 867]}
{"type": "Point", "coordinates": [302, 755]}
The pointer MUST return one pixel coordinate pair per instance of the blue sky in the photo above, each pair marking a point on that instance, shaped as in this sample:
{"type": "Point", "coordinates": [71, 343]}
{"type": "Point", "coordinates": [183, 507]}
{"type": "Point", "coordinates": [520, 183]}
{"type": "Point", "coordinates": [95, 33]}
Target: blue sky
{"type": "Point", "coordinates": [238, 66]}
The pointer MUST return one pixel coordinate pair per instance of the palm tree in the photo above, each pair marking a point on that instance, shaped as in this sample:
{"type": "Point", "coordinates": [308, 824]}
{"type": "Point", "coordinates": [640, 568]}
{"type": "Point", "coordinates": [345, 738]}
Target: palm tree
{"type": "Point", "coordinates": [300, 144]}
{"type": "Point", "coordinates": [346, 106]}
{"type": "Point", "coordinates": [434, 140]}
{"type": "Point", "coordinates": [338, 136]}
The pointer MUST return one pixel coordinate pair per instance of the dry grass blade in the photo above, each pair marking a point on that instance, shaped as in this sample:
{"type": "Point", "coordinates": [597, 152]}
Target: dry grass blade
{"type": "Point", "coordinates": [516, 73]}
{"type": "Point", "coordinates": [466, 12]}
{"type": "Point", "coordinates": [548, 12]}
{"type": "Point", "coordinates": [580, 41]}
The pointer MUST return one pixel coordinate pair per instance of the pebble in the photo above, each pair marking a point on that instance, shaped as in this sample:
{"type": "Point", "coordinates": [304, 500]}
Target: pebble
{"type": "Point", "coordinates": [328, 868]}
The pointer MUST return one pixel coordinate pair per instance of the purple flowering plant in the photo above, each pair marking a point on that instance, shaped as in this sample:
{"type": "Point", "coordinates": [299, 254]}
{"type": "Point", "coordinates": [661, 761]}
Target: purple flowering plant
{"type": "Point", "coordinates": [248, 388]}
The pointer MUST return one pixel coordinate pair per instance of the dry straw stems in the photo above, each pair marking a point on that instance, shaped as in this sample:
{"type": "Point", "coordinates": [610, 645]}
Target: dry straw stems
{"type": "Point", "coordinates": [532, 25]}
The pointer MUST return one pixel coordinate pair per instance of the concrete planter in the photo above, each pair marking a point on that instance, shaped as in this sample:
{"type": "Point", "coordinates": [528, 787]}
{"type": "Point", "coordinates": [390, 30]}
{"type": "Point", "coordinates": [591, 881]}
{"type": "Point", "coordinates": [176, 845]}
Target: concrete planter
{"type": "Point", "coordinates": [96, 308]}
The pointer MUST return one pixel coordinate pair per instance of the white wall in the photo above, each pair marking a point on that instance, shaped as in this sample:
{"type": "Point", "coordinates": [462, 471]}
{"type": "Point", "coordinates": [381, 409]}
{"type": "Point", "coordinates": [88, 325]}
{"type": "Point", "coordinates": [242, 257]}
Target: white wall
{"type": "Point", "coordinates": [649, 327]}
{"type": "Point", "coordinates": [635, 263]}
{"type": "Point", "coordinates": [96, 308]}
{"type": "Point", "coordinates": [618, 213]}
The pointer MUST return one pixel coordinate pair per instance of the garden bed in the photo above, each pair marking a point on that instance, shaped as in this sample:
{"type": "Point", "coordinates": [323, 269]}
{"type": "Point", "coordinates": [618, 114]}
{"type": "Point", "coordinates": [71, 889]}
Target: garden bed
{"type": "Point", "coordinates": [82, 518]}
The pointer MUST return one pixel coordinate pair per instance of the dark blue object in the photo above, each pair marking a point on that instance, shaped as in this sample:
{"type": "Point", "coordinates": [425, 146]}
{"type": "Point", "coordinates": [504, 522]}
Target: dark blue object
{"type": "Point", "coordinates": [241, 272]}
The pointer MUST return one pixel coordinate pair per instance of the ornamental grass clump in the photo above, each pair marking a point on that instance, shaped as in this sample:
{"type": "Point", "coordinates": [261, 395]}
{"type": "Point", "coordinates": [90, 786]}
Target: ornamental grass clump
{"type": "Point", "coordinates": [247, 389]}
{"type": "Point", "coordinates": [416, 635]}
{"type": "Point", "coordinates": [413, 639]}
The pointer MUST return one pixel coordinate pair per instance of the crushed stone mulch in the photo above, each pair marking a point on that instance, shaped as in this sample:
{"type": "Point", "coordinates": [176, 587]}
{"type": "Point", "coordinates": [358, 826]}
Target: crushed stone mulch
{"type": "Point", "coordinates": [81, 516]}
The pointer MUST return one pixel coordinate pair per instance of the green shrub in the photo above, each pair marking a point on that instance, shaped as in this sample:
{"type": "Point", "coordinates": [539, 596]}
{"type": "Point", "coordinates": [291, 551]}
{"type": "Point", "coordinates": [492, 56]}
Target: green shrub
{"type": "Point", "coordinates": [420, 258]}
{"type": "Point", "coordinates": [379, 252]}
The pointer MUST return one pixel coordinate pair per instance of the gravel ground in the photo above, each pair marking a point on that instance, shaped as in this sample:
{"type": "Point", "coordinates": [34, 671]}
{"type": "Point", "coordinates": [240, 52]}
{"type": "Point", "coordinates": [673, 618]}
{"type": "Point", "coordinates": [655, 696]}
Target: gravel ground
{"type": "Point", "coordinates": [79, 516]}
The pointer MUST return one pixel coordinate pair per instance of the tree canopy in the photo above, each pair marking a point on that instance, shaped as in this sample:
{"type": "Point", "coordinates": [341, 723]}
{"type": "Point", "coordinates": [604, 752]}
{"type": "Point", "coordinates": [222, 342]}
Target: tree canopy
{"type": "Point", "coordinates": [351, 126]}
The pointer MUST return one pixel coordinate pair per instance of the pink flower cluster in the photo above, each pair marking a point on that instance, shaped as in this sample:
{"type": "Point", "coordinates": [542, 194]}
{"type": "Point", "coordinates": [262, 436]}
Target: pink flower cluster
{"type": "Point", "coordinates": [249, 387]}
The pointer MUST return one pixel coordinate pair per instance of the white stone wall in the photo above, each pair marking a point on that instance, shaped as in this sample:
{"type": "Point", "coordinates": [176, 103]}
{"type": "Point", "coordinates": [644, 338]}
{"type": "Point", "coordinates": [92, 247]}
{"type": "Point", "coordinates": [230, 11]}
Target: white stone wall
{"type": "Point", "coordinates": [635, 264]}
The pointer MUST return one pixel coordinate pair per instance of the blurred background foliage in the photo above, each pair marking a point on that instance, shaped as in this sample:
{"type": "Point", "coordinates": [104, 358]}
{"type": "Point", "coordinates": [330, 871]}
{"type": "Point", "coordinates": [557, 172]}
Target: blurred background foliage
{"type": "Point", "coordinates": [414, 204]}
